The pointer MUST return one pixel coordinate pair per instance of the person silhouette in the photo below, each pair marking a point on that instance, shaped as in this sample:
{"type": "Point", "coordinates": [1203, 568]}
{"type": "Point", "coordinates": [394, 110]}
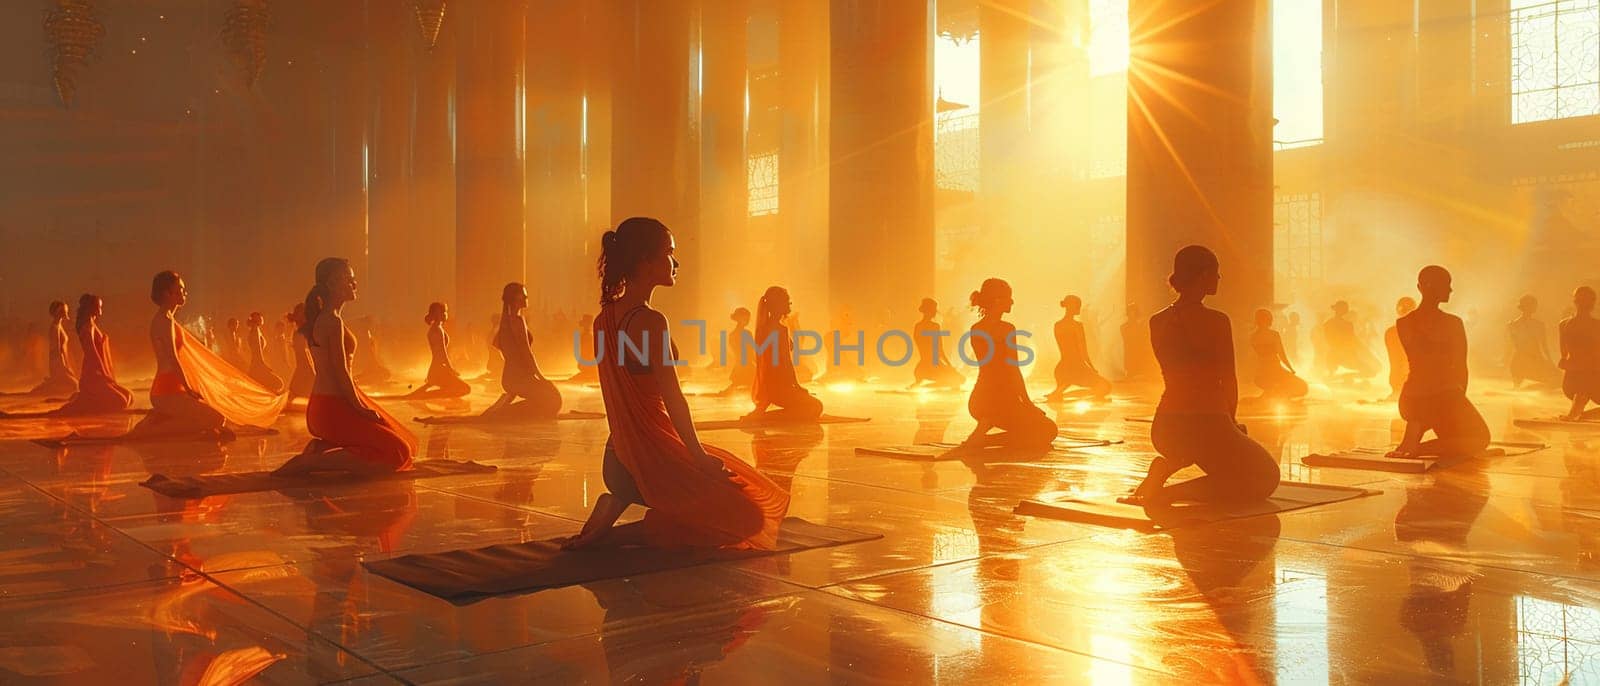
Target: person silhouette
{"type": "Point", "coordinates": [1342, 348]}
{"type": "Point", "coordinates": [1398, 366]}
{"type": "Point", "coordinates": [741, 366]}
{"type": "Point", "coordinates": [520, 378]}
{"type": "Point", "coordinates": [60, 380]}
{"type": "Point", "coordinates": [1195, 419]}
{"type": "Point", "coordinates": [1527, 347]}
{"type": "Point", "coordinates": [776, 383]}
{"type": "Point", "coordinates": [933, 365]}
{"type": "Point", "coordinates": [1075, 367]}
{"type": "Point", "coordinates": [1580, 356]}
{"type": "Point", "coordinates": [1138, 361]}
{"type": "Point", "coordinates": [1434, 397]}
{"type": "Point", "coordinates": [1275, 374]}
{"type": "Point", "coordinates": [999, 398]}
{"type": "Point", "coordinates": [443, 381]}
{"type": "Point", "coordinates": [256, 342]}
{"type": "Point", "coordinates": [98, 390]}
{"type": "Point", "coordinates": [696, 495]}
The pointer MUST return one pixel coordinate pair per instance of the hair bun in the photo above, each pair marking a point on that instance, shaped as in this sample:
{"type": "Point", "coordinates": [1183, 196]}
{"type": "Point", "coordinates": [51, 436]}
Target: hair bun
{"type": "Point", "coordinates": [609, 240]}
{"type": "Point", "coordinates": [975, 298]}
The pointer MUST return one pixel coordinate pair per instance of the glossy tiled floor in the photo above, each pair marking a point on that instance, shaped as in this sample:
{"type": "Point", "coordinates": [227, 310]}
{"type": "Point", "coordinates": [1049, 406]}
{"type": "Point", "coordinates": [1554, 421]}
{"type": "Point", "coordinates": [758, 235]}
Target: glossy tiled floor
{"type": "Point", "coordinates": [1481, 574]}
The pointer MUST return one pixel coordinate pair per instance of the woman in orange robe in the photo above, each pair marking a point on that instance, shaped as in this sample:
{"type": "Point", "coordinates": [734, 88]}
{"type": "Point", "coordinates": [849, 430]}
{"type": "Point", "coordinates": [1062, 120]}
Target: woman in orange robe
{"type": "Point", "coordinates": [351, 433]}
{"type": "Point", "coordinates": [60, 381]}
{"type": "Point", "coordinates": [776, 382]}
{"type": "Point", "coordinates": [98, 390]}
{"type": "Point", "coordinates": [443, 380]}
{"type": "Point", "coordinates": [698, 495]}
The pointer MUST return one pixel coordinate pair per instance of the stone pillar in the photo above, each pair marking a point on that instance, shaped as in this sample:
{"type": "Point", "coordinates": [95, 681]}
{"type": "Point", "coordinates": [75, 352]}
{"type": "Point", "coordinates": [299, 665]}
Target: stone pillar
{"type": "Point", "coordinates": [554, 116]}
{"type": "Point", "coordinates": [433, 184]}
{"type": "Point", "coordinates": [803, 154]}
{"type": "Point", "coordinates": [880, 224]}
{"type": "Point", "coordinates": [1200, 147]}
{"type": "Point", "coordinates": [392, 251]}
{"type": "Point", "coordinates": [490, 236]}
{"type": "Point", "coordinates": [724, 189]}
{"type": "Point", "coordinates": [655, 154]}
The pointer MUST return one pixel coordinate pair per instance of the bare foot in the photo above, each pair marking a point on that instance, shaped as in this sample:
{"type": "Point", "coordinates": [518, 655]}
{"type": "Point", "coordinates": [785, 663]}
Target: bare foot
{"type": "Point", "coordinates": [304, 463]}
{"type": "Point", "coordinates": [607, 509]}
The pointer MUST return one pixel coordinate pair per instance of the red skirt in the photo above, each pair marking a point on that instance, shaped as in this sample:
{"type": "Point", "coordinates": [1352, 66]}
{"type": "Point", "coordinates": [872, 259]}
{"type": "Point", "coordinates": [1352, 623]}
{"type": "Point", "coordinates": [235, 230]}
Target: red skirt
{"type": "Point", "coordinates": [336, 422]}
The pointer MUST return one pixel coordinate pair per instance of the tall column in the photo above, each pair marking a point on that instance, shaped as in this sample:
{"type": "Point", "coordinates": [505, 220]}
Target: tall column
{"type": "Point", "coordinates": [347, 97]}
{"type": "Point", "coordinates": [391, 232]}
{"type": "Point", "coordinates": [802, 240]}
{"type": "Point", "coordinates": [433, 163]}
{"type": "Point", "coordinates": [489, 204]}
{"type": "Point", "coordinates": [655, 157]}
{"type": "Point", "coordinates": [881, 147]}
{"type": "Point", "coordinates": [1200, 146]}
{"type": "Point", "coordinates": [554, 116]}
{"type": "Point", "coordinates": [1003, 136]}
{"type": "Point", "coordinates": [724, 190]}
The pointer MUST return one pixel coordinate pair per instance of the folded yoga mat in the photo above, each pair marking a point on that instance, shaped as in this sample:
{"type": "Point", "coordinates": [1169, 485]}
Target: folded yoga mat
{"type": "Point", "coordinates": [1558, 424]}
{"type": "Point", "coordinates": [71, 440]}
{"type": "Point", "coordinates": [940, 452]}
{"type": "Point", "coordinates": [51, 414]}
{"type": "Point", "coordinates": [1375, 459]}
{"type": "Point", "coordinates": [464, 576]}
{"type": "Point", "coordinates": [497, 421]}
{"type": "Point", "coordinates": [715, 424]}
{"type": "Point", "coordinates": [251, 482]}
{"type": "Point", "coordinates": [1290, 495]}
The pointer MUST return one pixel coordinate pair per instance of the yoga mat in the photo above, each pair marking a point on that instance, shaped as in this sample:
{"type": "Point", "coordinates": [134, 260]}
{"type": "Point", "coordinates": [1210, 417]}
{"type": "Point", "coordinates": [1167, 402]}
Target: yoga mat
{"type": "Point", "coordinates": [50, 414]}
{"type": "Point", "coordinates": [715, 424]}
{"type": "Point", "coordinates": [1556, 423]}
{"type": "Point", "coordinates": [940, 451]}
{"type": "Point", "coordinates": [1108, 512]}
{"type": "Point", "coordinates": [464, 576]}
{"type": "Point", "coordinates": [71, 440]}
{"type": "Point", "coordinates": [251, 482]}
{"type": "Point", "coordinates": [497, 421]}
{"type": "Point", "coordinates": [1373, 459]}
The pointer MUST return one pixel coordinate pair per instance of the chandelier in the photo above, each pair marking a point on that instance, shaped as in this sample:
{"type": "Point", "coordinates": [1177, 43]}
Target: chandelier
{"type": "Point", "coordinates": [430, 16]}
{"type": "Point", "coordinates": [74, 34]}
{"type": "Point", "coordinates": [244, 32]}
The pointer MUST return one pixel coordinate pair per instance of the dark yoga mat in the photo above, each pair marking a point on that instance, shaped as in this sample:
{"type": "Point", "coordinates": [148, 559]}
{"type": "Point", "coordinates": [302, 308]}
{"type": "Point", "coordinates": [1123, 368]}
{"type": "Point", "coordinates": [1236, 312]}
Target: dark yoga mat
{"type": "Point", "coordinates": [507, 421]}
{"type": "Point", "coordinates": [940, 452]}
{"type": "Point", "coordinates": [251, 482]}
{"type": "Point", "coordinates": [51, 414]}
{"type": "Point", "coordinates": [716, 424]}
{"type": "Point", "coordinates": [1375, 459]}
{"type": "Point", "coordinates": [464, 576]}
{"type": "Point", "coordinates": [1290, 495]}
{"type": "Point", "coordinates": [72, 440]}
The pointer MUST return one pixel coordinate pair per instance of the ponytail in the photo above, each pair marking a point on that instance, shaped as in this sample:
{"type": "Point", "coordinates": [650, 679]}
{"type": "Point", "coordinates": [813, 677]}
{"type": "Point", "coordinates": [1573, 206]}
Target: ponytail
{"type": "Point", "coordinates": [317, 297]}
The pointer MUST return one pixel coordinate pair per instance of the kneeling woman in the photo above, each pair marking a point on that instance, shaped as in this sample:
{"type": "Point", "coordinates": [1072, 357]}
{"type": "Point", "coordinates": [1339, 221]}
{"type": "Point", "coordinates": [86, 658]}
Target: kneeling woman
{"type": "Point", "coordinates": [1194, 422]}
{"type": "Point", "coordinates": [1000, 398]}
{"type": "Point", "coordinates": [443, 380]}
{"type": "Point", "coordinates": [521, 377]}
{"type": "Point", "coordinates": [350, 433]}
{"type": "Point", "coordinates": [98, 390]}
{"type": "Point", "coordinates": [1274, 374]}
{"type": "Point", "coordinates": [776, 384]}
{"type": "Point", "coordinates": [195, 391]}
{"type": "Point", "coordinates": [698, 495]}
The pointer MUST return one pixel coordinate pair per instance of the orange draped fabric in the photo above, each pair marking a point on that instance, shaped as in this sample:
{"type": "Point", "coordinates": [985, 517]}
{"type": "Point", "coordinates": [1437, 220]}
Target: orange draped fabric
{"type": "Point", "coordinates": [332, 419]}
{"type": "Point", "coordinates": [687, 507]}
{"type": "Point", "coordinates": [225, 387]}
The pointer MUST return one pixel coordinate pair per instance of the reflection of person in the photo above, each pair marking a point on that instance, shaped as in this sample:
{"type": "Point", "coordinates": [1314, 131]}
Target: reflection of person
{"type": "Point", "coordinates": [1435, 393]}
{"type": "Point", "coordinates": [443, 380]}
{"type": "Point", "coordinates": [1274, 372]}
{"type": "Point", "coordinates": [351, 433]}
{"type": "Point", "coordinates": [776, 383]}
{"type": "Point", "coordinates": [999, 398]}
{"type": "Point", "coordinates": [1580, 356]}
{"type": "Point", "coordinates": [696, 495]}
{"type": "Point", "coordinates": [1437, 606]}
{"type": "Point", "coordinates": [1194, 422]}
